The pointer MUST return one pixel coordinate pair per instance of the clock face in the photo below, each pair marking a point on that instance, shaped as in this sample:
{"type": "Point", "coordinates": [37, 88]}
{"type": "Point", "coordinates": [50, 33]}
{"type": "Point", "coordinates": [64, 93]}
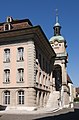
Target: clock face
{"type": "Point", "coordinates": [56, 43]}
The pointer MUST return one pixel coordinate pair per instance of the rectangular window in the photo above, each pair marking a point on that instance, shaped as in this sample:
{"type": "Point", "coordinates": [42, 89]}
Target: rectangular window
{"type": "Point", "coordinates": [20, 75]}
{"type": "Point", "coordinates": [20, 54]}
{"type": "Point", "coordinates": [7, 76]}
{"type": "Point", "coordinates": [21, 97]}
{"type": "Point", "coordinates": [7, 55]}
{"type": "Point", "coordinates": [7, 97]}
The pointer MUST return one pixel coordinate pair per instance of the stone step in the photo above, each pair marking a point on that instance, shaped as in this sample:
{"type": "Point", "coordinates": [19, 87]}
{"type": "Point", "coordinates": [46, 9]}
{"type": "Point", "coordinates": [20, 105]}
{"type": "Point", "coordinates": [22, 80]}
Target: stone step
{"type": "Point", "coordinates": [53, 100]}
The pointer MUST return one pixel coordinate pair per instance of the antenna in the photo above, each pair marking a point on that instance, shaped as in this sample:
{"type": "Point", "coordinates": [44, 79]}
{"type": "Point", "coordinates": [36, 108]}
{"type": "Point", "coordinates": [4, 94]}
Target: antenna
{"type": "Point", "coordinates": [56, 15]}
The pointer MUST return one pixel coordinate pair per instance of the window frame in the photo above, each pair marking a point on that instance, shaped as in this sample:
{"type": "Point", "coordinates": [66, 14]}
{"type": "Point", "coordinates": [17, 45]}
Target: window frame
{"type": "Point", "coordinates": [7, 26]}
{"type": "Point", "coordinates": [7, 55]}
{"type": "Point", "coordinates": [6, 76]}
{"type": "Point", "coordinates": [6, 97]}
{"type": "Point", "coordinates": [20, 75]}
{"type": "Point", "coordinates": [21, 97]}
{"type": "Point", "coordinates": [20, 54]}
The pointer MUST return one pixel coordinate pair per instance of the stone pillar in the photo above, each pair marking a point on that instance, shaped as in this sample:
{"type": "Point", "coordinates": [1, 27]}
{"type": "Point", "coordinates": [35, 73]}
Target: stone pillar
{"type": "Point", "coordinates": [37, 99]}
{"type": "Point", "coordinates": [64, 74]}
{"type": "Point", "coordinates": [54, 89]}
{"type": "Point", "coordinates": [51, 82]}
{"type": "Point", "coordinates": [13, 98]}
{"type": "Point", "coordinates": [45, 99]}
{"type": "Point", "coordinates": [64, 89]}
{"type": "Point", "coordinates": [41, 99]}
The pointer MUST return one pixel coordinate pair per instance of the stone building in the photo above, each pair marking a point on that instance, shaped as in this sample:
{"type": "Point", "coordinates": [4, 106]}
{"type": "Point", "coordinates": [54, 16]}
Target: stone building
{"type": "Point", "coordinates": [26, 65]}
{"type": "Point", "coordinates": [32, 73]}
{"type": "Point", "coordinates": [77, 92]}
{"type": "Point", "coordinates": [63, 84]}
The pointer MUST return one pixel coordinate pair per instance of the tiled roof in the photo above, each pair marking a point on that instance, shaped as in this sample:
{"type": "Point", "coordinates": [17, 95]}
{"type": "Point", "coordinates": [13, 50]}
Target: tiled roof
{"type": "Point", "coordinates": [68, 79]}
{"type": "Point", "coordinates": [16, 24]}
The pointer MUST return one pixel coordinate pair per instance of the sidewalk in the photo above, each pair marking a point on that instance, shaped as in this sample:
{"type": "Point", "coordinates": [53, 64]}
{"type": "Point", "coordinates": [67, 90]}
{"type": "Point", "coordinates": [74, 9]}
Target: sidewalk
{"type": "Point", "coordinates": [40, 111]}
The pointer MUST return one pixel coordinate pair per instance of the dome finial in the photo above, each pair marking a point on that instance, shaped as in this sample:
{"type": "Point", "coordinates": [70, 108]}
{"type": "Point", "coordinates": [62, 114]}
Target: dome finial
{"type": "Point", "coordinates": [57, 26]}
{"type": "Point", "coordinates": [56, 15]}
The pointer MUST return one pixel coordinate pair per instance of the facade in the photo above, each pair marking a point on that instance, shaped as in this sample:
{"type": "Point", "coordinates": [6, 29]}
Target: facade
{"type": "Point", "coordinates": [33, 71]}
{"type": "Point", "coordinates": [26, 71]}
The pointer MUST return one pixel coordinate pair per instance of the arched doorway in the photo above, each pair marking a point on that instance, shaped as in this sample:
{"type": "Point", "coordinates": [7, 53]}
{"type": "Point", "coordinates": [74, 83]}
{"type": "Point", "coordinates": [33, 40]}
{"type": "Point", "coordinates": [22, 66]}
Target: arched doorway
{"type": "Point", "coordinates": [57, 73]}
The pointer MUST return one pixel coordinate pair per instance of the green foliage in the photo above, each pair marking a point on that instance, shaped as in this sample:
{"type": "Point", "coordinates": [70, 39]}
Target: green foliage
{"type": "Point", "coordinates": [76, 99]}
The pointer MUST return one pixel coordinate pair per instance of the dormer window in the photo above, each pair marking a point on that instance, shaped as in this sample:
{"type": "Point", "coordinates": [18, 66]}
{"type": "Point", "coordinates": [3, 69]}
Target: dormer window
{"type": "Point", "coordinates": [9, 19]}
{"type": "Point", "coordinates": [7, 26]}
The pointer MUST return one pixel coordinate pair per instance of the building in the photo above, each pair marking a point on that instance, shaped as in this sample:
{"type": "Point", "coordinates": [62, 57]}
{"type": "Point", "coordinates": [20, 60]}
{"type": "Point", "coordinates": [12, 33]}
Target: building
{"type": "Point", "coordinates": [26, 72]}
{"type": "Point", "coordinates": [77, 92]}
{"type": "Point", "coordinates": [32, 73]}
{"type": "Point", "coordinates": [63, 84]}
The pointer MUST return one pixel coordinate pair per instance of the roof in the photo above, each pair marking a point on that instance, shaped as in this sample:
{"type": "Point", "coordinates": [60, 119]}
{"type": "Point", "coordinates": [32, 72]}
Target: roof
{"type": "Point", "coordinates": [57, 25]}
{"type": "Point", "coordinates": [59, 38]}
{"type": "Point", "coordinates": [24, 28]}
{"type": "Point", "coordinates": [14, 21]}
{"type": "Point", "coordinates": [68, 79]}
{"type": "Point", "coordinates": [15, 24]}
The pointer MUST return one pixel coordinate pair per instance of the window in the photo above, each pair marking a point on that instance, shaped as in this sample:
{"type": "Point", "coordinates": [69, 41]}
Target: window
{"type": "Point", "coordinates": [7, 97]}
{"type": "Point", "coordinates": [20, 75]}
{"type": "Point", "coordinates": [21, 97]}
{"type": "Point", "coordinates": [7, 26]}
{"type": "Point", "coordinates": [20, 54]}
{"type": "Point", "coordinates": [9, 19]}
{"type": "Point", "coordinates": [7, 55]}
{"type": "Point", "coordinates": [7, 75]}
{"type": "Point", "coordinates": [36, 57]}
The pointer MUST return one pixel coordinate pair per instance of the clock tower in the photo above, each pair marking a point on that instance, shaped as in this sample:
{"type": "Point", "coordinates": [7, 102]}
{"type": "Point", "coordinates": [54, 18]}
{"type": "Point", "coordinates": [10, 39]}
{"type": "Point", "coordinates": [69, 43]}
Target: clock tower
{"type": "Point", "coordinates": [59, 45]}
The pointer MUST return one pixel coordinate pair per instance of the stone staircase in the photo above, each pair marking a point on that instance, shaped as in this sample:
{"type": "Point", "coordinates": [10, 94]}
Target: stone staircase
{"type": "Point", "coordinates": [52, 103]}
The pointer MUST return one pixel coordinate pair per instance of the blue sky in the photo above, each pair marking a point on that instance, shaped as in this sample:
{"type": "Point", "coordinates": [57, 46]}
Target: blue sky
{"type": "Point", "coordinates": [42, 12]}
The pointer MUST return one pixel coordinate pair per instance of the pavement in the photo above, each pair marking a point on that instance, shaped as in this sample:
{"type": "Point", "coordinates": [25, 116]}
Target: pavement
{"type": "Point", "coordinates": [59, 114]}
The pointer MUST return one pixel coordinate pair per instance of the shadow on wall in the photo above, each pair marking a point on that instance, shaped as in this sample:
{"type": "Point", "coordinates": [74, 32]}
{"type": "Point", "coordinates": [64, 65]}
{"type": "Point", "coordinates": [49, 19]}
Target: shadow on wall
{"type": "Point", "coordinates": [68, 116]}
{"type": "Point", "coordinates": [2, 107]}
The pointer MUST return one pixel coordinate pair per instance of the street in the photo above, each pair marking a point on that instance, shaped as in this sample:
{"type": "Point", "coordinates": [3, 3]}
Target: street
{"type": "Point", "coordinates": [65, 114]}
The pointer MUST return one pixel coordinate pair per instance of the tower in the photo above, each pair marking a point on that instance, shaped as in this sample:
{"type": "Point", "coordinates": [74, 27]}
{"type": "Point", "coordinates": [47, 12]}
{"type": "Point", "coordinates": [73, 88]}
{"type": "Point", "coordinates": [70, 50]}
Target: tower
{"type": "Point", "coordinates": [59, 45]}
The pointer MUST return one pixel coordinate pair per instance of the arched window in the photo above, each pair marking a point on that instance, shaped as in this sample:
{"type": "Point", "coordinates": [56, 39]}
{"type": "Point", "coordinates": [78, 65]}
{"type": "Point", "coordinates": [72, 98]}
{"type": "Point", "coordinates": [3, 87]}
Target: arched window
{"type": "Point", "coordinates": [6, 75]}
{"type": "Point", "coordinates": [9, 19]}
{"type": "Point", "coordinates": [21, 97]}
{"type": "Point", "coordinates": [6, 99]}
{"type": "Point", "coordinates": [7, 26]}
{"type": "Point", "coordinates": [20, 54]}
{"type": "Point", "coordinates": [57, 74]}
